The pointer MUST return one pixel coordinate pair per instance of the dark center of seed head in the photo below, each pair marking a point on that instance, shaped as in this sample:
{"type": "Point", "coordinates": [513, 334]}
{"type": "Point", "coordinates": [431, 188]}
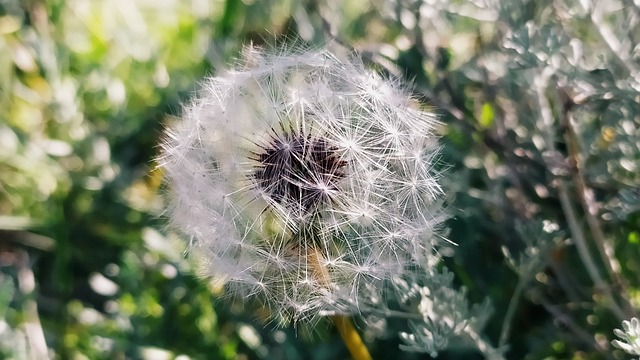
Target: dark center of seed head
{"type": "Point", "coordinates": [299, 171]}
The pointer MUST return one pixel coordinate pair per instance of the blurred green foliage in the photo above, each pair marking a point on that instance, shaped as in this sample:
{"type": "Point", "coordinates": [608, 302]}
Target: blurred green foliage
{"type": "Point", "coordinates": [541, 109]}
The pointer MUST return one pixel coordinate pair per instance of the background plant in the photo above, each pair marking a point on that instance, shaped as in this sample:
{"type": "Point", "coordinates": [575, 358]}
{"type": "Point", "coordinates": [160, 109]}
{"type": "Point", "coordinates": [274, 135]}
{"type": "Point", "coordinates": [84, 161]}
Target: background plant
{"type": "Point", "coordinates": [540, 101]}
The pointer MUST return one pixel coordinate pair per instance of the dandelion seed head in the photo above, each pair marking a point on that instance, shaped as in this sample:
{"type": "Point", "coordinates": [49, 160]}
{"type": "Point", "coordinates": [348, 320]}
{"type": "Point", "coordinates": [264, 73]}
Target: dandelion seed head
{"type": "Point", "coordinates": [302, 178]}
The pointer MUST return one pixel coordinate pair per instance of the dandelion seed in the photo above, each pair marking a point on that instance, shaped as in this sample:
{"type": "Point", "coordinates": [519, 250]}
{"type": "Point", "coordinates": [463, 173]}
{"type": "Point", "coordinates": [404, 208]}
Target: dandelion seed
{"type": "Point", "coordinates": [301, 178]}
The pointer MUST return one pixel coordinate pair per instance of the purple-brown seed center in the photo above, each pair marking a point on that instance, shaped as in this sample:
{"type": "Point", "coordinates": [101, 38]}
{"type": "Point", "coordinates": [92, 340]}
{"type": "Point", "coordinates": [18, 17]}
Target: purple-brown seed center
{"type": "Point", "coordinates": [300, 172]}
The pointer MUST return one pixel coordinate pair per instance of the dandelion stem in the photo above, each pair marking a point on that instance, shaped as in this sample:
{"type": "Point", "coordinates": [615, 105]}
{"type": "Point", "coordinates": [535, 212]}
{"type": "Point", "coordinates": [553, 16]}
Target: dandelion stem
{"type": "Point", "coordinates": [351, 338]}
{"type": "Point", "coordinates": [344, 325]}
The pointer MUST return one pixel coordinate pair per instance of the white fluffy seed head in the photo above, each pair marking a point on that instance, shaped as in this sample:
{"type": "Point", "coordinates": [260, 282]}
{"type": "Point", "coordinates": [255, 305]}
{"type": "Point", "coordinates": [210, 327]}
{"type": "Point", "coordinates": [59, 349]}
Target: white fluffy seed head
{"type": "Point", "coordinates": [301, 177]}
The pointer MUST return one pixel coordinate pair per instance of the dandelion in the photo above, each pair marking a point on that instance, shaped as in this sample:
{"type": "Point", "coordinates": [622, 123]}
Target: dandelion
{"type": "Point", "coordinates": [302, 178]}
